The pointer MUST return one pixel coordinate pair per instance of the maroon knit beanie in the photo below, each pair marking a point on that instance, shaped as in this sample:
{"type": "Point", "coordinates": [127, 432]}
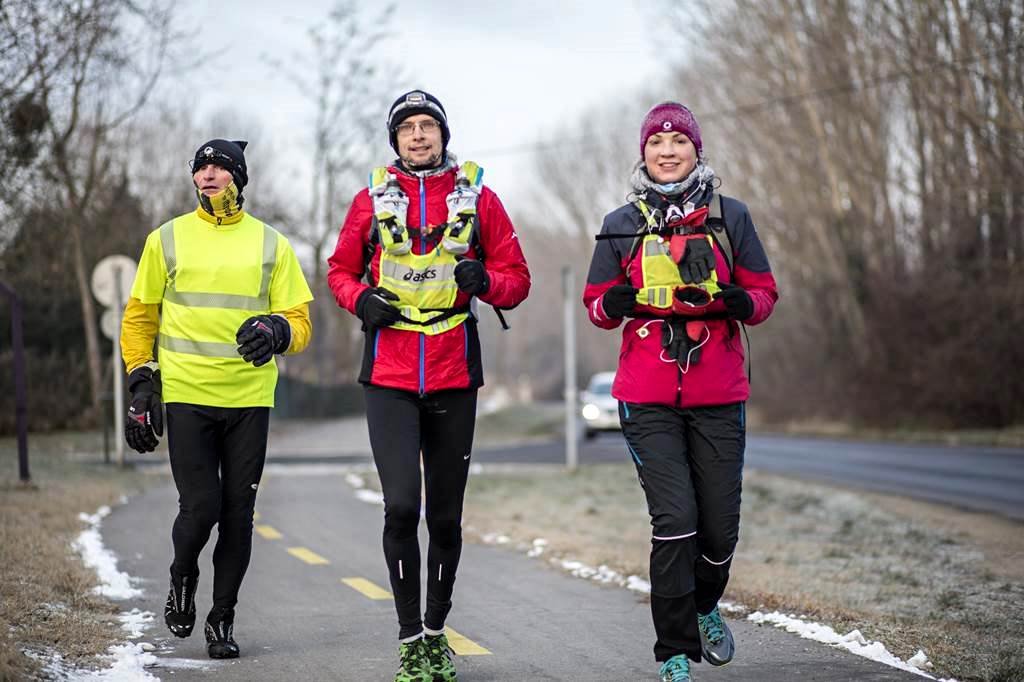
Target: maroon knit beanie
{"type": "Point", "coordinates": [671, 116]}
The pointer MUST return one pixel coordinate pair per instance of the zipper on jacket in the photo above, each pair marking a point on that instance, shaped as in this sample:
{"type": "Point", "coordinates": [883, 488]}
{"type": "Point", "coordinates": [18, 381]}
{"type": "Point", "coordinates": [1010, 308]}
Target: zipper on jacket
{"type": "Point", "coordinates": [423, 354]}
{"type": "Point", "coordinates": [679, 385]}
{"type": "Point", "coordinates": [423, 249]}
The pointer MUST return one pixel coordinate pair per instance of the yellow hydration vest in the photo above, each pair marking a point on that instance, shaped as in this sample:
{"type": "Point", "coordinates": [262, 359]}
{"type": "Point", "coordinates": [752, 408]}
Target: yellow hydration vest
{"type": "Point", "coordinates": [660, 273]}
{"type": "Point", "coordinates": [209, 279]}
{"type": "Point", "coordinates": [425, 283]}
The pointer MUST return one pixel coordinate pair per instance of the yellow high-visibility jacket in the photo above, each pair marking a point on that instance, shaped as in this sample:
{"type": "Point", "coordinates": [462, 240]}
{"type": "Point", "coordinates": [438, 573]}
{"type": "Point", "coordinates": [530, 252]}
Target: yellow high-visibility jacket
{"type": "Point", "coordinates": [196, 284]}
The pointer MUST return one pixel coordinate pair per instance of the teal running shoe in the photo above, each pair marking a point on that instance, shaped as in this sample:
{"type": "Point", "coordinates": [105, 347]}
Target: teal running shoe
{"type": "Point", "coordinates": [675, 669]}
{"type": "Point", "coordinates": [716, 642]}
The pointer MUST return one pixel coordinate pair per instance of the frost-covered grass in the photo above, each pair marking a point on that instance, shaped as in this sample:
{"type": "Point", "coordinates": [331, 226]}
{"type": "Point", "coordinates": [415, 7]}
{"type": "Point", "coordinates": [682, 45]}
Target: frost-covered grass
{"type": "Point", "coordinates": [48, 605]}
{"type": "Point", "coordinates": [910, 575]}
{"type": "Point", "coordinates": [519, 423]}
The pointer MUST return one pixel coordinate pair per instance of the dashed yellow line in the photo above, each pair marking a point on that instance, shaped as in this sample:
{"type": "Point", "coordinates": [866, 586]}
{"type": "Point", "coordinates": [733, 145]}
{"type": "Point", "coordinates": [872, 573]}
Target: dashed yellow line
{"type": "Point", "coordinates": [463, 646]}
{"type": "Point", "coordinates": [267, 532]}
{"type": "Point", "coordinates": [307, 555]}
{"type": "Point", "coordinates": [367, 588]}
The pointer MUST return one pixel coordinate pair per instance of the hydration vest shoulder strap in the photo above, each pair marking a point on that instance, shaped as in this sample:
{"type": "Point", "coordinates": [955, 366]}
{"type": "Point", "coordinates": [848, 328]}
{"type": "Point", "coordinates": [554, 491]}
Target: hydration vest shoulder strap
{"type": "Point", "coordinates": [378, 176]}
{"type": "Point", "coordinates": [719, 231]}
{"type": "Point", "coordinates": [649, 225]}
{"type": "Point", "coordinates": [473, 172]}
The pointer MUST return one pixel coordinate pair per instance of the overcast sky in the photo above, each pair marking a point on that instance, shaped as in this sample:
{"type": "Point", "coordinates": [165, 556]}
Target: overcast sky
{"type": "Point", "coordinates": [534, 65]}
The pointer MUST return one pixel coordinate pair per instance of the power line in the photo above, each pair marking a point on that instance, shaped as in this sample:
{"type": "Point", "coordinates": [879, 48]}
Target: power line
{"type": "Point", "coordinates": [785, 100]}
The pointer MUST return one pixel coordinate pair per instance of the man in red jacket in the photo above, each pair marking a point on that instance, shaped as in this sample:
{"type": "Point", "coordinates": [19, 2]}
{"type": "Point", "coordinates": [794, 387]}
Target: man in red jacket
{"type": "Point", "coordinates": [429, 239]}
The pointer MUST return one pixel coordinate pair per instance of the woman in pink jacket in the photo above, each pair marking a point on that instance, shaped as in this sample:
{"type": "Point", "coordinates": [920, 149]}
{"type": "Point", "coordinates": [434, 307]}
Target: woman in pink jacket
{"type": "Point", "coordinates": [683, 267]}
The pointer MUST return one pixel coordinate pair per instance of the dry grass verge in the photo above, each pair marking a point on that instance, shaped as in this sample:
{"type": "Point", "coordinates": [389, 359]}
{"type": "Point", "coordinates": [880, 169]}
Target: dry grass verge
{"type": "Point", "coordinates": [46, 600]}
{"type": "Point", "coordinates": [911, 575]}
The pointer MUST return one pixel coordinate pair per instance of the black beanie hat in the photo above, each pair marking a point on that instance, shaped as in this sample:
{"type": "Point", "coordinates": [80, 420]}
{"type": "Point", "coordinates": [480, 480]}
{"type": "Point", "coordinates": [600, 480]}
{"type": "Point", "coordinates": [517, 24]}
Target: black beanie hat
{"type": "Point", "coordinates": [412, 103]}
{"type": "Point", "coordinates": [227, 154]}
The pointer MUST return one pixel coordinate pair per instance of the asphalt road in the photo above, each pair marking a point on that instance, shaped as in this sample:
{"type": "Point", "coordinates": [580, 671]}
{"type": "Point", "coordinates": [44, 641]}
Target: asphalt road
{"type": "Point", "coordinates": [975, 478]}
{"type": "Point", "coordinates": [520, 619]}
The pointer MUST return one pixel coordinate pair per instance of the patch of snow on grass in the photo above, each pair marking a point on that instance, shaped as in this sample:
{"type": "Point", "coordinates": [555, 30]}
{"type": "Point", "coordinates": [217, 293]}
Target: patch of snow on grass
{"type": "Point", "coordinates": [113, 583]}
{"type": "Point", "coordinates": [539, 545]}
{"type": "Point", "coordinates": [135, 622]}
{"type": "Point", "coordinates": [853, 641]}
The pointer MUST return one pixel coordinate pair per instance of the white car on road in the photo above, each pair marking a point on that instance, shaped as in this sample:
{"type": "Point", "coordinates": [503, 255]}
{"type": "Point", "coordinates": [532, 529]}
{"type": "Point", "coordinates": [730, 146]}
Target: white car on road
{"type": "Point", "coordinates": [599, 409]}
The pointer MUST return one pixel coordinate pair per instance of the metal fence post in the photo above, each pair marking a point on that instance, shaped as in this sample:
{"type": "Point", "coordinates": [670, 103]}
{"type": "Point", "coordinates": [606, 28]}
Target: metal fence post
{"type": "Point", "coordinates": [571, 441]}
{"type": "Point", "coordinates": [20, 390]}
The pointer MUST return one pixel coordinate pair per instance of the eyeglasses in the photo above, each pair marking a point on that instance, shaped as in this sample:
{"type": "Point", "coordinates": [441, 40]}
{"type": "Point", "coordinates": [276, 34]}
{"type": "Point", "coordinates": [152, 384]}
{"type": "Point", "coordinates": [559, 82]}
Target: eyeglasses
{"type": "Point", "coordinates": [405, 129]}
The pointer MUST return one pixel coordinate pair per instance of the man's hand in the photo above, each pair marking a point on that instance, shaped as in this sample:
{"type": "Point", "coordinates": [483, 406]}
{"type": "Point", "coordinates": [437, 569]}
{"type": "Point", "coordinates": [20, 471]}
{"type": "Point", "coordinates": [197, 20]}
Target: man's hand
{"type": "Point", "coordinates": [261, 336]}
{"type": "Point", "coordinates": [144, 422]}
{"type": "Point", "coordinates": [373, 308]}
{"type": "Point", "coordinates": [471, 277]}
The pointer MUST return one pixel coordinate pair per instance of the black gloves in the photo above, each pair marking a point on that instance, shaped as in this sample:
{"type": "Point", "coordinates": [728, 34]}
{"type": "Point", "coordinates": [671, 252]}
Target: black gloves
{"type": "Point", "coordinates": [619, 301]}
{"type": "Point", "coordinates": [738, 304]}
{"type": "Point", "coordinates": [471, 277]}
{"type": "Point", "coordinates": [682, 340]}
{"type": "Point", "coordinates": [674, 341]}
{"type": "Point", "coordinates": [373, 309]}
{"type": "Point", "coordinates": [261, 336]}
{"type": "Point", "coordinates": [698, 261]}
{"type": "Point", "coordinates": [145, 418]}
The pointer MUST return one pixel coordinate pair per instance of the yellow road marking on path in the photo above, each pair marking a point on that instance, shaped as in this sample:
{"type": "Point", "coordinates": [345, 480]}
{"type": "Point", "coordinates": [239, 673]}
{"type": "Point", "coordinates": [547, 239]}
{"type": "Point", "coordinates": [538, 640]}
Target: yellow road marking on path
{"type": "Point", "coordinates": [367, 588]}
{"type": "Point", "coordinates": [307, 555]}
{"type": "Point", "coordinates": [268, 532]}
{"type": "Point", "coordinates": [463, 646]}
{"type": "Point", "coordinates": [255, 516]}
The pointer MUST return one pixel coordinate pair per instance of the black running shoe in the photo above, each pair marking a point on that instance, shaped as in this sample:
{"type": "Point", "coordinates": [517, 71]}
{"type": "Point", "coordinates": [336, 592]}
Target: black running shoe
{"type": "Point", "coordinates": [180, 609]}
{"type": "Point", "coordinates": [220, 641]}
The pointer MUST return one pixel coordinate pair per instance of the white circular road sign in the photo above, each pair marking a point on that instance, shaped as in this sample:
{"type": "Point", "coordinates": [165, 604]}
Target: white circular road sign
{"type": "Point", "coordinates": [110, 323]}
{"type": "Point", "coordinates": [111, 273]}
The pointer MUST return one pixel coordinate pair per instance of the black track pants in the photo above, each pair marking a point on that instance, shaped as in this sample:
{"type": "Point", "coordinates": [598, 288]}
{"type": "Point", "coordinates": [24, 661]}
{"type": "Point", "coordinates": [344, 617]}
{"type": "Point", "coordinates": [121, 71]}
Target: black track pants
{"type": "Point", "coordinates": [217, 456]}
{"type": "Point", "coordinates": [690, 464]}
{"type": "Point", "coordinates": [440, 425]}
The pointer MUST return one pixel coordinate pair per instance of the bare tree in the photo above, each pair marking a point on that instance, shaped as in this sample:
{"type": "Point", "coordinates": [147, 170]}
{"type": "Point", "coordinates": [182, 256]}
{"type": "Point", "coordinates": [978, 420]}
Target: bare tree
{"type": "Point", "coordinates": [344, 75]}
{"type": "Point", "coordinates": [878, 145]}
{"type": "Point", "coordinates": [79, 137]}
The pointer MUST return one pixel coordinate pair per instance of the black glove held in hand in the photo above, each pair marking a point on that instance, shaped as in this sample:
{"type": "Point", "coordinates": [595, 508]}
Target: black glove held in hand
{"type": "Point", "coordinates": [145, 418]}
{"type": "Point", "coordinates": [471, 277]}
{"type": "Point", "coordinates": [373, 308]}
{"type": "Point", "coordinates": [697, 262]}
{"type": "Point", "coordinates": [619, 301]}
{"type": "Point", "coordinates": [738, 304]}
{"type": "Point", "coordinates": [261, 336]}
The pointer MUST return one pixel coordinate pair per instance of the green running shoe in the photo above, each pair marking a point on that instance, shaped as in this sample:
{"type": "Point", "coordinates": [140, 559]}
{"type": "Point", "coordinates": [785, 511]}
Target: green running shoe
{"type": "Point", "coordinates": [413, 665]}
{"type": "Point", "coordinates": [716, 642]}
{"type": "Point", "coordinates": [439, 657]}
{"type": "Point", "coordinates": [675, 669]}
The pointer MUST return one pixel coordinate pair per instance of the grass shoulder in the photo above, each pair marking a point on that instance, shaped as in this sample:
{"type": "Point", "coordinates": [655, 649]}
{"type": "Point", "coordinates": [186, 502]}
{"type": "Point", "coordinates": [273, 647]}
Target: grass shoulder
{"type": "Point", "coordinates": [46, 600]}
{"type": "Point", "coordinates": [909, 574]}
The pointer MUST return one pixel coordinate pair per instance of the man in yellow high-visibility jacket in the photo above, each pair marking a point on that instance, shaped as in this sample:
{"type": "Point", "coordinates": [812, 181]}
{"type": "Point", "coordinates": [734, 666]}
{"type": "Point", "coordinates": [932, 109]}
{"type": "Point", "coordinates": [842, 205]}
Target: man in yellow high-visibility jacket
{"type": "Point", "coordinates": [221, 293]}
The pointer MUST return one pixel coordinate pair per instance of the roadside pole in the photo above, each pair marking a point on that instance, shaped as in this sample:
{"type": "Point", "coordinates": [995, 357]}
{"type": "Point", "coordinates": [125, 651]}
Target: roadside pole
{"type": "Point", "coordinates": [115, 366]}
{"type": "Point", "coordinates": [571, 441]}
{"type": "Point", "coordinates": [111, 283]}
